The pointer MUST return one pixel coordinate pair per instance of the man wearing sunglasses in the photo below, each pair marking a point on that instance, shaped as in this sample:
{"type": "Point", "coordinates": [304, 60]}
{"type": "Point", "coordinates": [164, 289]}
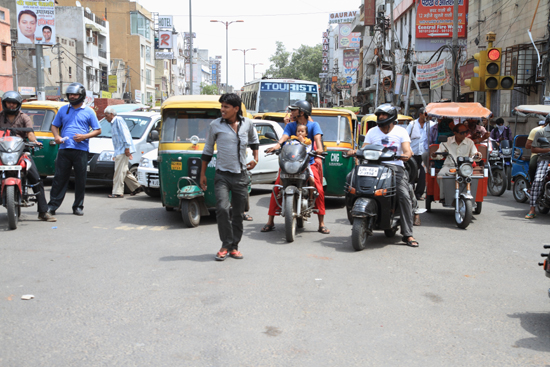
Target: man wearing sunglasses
{"type": "Point", "coordinates": [458, 145]}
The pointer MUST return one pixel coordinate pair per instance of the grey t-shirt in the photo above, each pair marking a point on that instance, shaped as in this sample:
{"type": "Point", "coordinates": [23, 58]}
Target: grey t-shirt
{"type": "Point", "coordinates": [542, 133]}
{"type": "Point", "coordinates": [231, 146]}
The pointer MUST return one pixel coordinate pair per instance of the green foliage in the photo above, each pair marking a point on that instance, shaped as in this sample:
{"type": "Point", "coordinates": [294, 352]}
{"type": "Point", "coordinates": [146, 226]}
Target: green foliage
{"type": "Point", "coordinates": [209, 89]}
{"type": "Point", "coordinates": [304, 63]}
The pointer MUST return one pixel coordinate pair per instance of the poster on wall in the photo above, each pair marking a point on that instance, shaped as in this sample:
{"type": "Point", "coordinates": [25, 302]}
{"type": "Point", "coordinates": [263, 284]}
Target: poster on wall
{"type": "Point", "coordinates": [351, 61]}
{"type": "Point", "coordinates": [36, 22]}
{"type": "Point", "coordinates": [347, 38]}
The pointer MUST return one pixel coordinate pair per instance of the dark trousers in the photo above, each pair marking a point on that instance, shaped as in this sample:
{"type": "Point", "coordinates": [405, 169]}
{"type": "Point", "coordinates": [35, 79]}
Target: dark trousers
{"type": "Point", "coordinates": [33, 178]}
{"type": "Point", "coordinates": [533, 168]}
{"type": "Point", "coordinates": [68, 159]}
{"type": "Point", "coordinates": [230, 228]}
{"type": "Point", "coordinates": [404, 197]}
{"type": "Point", "coordinates": [421, 182]}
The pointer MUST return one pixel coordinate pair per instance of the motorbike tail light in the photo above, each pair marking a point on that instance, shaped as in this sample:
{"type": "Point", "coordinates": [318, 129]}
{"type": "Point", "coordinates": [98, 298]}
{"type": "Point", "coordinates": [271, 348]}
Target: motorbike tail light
{"type": "Point", "coordinates": [380, 192]}
{"type": "Point", "coordinates": [352, 190]}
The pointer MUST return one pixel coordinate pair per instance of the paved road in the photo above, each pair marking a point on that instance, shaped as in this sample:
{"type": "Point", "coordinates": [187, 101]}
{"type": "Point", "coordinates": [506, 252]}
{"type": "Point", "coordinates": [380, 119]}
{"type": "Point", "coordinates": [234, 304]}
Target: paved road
{"type": "Point", "coordinates": [128, 285]}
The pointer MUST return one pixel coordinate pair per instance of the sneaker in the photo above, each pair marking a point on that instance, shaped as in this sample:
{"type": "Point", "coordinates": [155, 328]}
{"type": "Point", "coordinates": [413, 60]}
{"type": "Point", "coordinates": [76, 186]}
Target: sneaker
{"type": "Point", "coordinates": [78, 211]}
{"type": "Point", "coordinates": [47, 217]}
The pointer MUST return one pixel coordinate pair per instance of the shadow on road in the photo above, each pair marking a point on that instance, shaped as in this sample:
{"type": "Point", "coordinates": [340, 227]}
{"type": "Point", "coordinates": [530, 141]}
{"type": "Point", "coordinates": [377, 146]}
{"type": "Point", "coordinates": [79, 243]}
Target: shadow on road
{"type": "Point", "coordinates": [198, 258]}
{"type": "Point", "coordinates": [159, 217]}
{"type": "Point", "coordinates": [537, 324]}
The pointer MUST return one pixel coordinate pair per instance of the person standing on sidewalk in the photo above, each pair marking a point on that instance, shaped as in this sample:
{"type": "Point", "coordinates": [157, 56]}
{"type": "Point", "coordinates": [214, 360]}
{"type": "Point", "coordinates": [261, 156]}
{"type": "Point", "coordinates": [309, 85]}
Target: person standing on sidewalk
{"type": "Point", "coordinates": [73, 125]}
{"type": "Point", "coordinates": [231, 134]}
{"type": "Point", "coordinates": [124, 147]}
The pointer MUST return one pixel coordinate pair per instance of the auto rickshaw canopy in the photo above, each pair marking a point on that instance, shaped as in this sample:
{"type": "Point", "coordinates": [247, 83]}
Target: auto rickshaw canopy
{"type": "Point", "coordinates": [458, 110]}
{"type": "Point", "coordinates": [537, 109]}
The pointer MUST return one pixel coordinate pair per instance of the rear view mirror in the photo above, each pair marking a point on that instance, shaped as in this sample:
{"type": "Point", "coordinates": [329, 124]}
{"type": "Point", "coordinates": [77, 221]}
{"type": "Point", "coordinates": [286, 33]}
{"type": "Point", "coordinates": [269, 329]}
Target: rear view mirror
{"type": "Point", "coordinates": [271, 135]}
{"type": "Point", "coordinates": [361, 140]}
{"type": "Point", "coordinates": [153, 136]}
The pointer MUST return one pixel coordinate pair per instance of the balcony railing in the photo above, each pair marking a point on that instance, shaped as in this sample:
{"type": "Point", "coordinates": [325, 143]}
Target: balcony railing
{"type": "Point", "coordinates": [102, 53]}
{"type": "Point", "coordinates": [89, 15]}
{"type": "Point", "coordinates": [99, 21]}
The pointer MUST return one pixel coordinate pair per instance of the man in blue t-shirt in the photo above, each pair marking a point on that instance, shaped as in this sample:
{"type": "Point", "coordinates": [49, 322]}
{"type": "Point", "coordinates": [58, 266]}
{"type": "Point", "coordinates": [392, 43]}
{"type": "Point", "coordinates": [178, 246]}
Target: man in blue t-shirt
{"type": "Point", "coordinates": [73, 125]}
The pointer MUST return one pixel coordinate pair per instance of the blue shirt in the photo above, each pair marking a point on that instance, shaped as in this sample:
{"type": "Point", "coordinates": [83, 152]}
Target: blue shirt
{"type": "Point", "coordinates": [313, 129]}
{"type": "Point", "coordinates": [121, 136]}
{"type": "Point", "coordinates": [71, 122]}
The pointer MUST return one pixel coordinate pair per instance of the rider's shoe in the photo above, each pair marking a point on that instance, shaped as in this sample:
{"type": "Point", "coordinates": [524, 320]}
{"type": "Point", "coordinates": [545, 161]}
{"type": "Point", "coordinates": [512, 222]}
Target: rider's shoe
{"type": "Point", "coordinates": [47, 217]}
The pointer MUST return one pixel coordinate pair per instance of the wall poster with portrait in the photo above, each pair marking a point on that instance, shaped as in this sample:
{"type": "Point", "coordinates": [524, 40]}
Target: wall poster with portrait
{"type": "Point", "coordinates": [36, 22]}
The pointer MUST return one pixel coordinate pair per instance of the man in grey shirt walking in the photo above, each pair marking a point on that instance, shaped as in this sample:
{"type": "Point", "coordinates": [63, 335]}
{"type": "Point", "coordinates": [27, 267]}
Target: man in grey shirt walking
{"type": "Point", "coordinates": [231, 133]}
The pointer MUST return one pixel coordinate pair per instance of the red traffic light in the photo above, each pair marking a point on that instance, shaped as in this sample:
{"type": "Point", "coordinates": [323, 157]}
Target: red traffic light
{"type": "Point", "coordinates": [493, 54]}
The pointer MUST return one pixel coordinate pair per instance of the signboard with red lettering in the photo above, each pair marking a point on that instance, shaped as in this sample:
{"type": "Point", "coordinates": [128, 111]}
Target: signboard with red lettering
{"type": "Point", "coordinates": [434, 18]}
{"type": "Point", "coordinates": [36, 22]}
{"type": "Point", "coordinates": [370, 12]}
{"type": "Point", "coordinates": [165, 39]}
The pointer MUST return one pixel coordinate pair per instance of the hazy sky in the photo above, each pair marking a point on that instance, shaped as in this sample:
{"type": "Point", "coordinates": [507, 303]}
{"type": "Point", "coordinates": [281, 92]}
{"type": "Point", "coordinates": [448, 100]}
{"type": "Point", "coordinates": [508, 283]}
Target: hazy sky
{"type": "Point", "coordinates": [293, 22]}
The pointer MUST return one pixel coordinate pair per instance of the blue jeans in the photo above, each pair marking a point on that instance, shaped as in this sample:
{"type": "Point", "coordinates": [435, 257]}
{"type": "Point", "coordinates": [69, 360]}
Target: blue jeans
{"type": "Point", "coordinates": [68, 159]}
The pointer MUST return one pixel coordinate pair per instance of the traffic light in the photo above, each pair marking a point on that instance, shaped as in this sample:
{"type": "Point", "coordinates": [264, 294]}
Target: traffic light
{"type": "Point", "coordinates": [477, 83]}
{"type": "Point", "coordinates": [492, 69]}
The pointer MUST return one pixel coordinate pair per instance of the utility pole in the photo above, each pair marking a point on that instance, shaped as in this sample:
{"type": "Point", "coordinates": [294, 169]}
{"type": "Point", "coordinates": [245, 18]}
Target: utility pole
{"type": "Point", "coordinates": [190, 51]}
{"type": "Point", "coordinates": [59, 65]}
{"type": "Point", "coordinates": [40, 93]}
{"type": "Point", "coordinates": [454, 79]}
{"type": "Point", "coordinates": [392, 48]}
{"type": "Point", "coordinates": [129, 78]}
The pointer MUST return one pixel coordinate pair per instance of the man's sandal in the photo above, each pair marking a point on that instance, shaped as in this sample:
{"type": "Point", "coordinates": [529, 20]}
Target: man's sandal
{"type": "Point", "coordinates": [531, 216]}
{"type": "Point", "coordinates": [248, 218]}
{"type": "Point", "coordinates": [323, 230]}
{"type": "Point", "coordinates": [408, 242]}
{"type": "Point", "coordinates": [115, 196]}
{"type": "Point", "coordinates": [236, 254]}
{"type": "Point", "coordinates": [221, 255]}
{"type": "Point", "coordinates": [268, 228]}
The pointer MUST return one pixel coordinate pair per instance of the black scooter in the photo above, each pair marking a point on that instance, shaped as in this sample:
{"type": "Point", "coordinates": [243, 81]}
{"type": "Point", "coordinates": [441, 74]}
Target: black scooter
{"type": "Point", "coordinates": [371, 195]}
{"type": "Point", "coordinates": [500, 168]}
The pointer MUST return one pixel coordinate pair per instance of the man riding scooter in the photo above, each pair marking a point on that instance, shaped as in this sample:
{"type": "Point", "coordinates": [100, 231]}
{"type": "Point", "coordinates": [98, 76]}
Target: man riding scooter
{"type": "Point", "coordinates": [396, 139]}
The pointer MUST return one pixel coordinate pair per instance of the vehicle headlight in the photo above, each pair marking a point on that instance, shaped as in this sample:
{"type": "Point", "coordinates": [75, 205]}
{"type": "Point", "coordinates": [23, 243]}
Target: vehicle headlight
{"type": "Point", "coordinates": [194, 140]}
{"type": "Point", "coordinates": [494, 153]}
{"type": "Point", "coordinates": [9, 159]}
{"type": "Point", "coordinates": [106, 156]}
{"type": "Point", "coordinates": [507, 151]}
{"type": "Point", "coordinates": [466, 170]}
{"type": "Point", "coordinates": [371, 155]}
{"type": "Point", "coordinates": [144, 162]}
{"type": "Point", "coordinates": [292, 167]}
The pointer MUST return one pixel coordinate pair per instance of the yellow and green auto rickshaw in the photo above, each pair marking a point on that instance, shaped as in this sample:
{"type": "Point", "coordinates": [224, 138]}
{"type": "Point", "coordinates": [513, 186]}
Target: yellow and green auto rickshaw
{"type": "Point", "coordinates": [369, 121]}
{"type": "Point", "coordinates": [42, 114]}
{"type": "Point", "coordinates": [278, 117]}
{"type": "Point", "coordinates": [185, 123]}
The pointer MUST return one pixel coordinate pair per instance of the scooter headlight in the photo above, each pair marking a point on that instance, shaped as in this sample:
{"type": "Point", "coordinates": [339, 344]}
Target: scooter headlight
{"type": "Point", "coordinates": [9, 159]}
{"type": "Point", "coordinates": [466, 170]}
{"type": "Point", "coordinates": [372, 155]}
{"type": "Point", "coordinates": [507, 151]}
{"type": "Point", "coordinates": [292, 167]}
{"type": "Point", "coordinates": [494, 154]}
{"type": "Point", "coordinates": [106, 156]}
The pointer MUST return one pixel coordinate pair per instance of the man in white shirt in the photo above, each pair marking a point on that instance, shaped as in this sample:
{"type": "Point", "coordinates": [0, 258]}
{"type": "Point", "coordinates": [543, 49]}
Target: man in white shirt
{"type": "Point", "coordinates": [419, 139]}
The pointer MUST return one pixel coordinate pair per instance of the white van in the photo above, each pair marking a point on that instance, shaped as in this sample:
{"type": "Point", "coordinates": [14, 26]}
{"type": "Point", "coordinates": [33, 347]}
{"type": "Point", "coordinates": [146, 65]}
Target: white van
{"type": "Point", "coordinates": [144, 127]}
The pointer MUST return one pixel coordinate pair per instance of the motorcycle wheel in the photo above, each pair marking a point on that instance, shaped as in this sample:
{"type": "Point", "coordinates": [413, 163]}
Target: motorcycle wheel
{"type": "Point", "coordinates": [190, 213]}
{"type": "Point", "coordinates": [429, 200]}
{"type": "Point", "coordinates": [11, 202]}
{"type": "Point", "coordinates": [479, 205]}
{"type": "Point", "coordinates": [290, 219]}
{"type": "Point", "coordinates": [391, 232]}
{"type": "Point", "coordinates": [519, 184]}
{"type": "Point", "coordinates": [541, 208]}
{"type": "Point", "coordinates": [497, 184]}
{"type": "Point", "coordinates": [359, 234]}
{"type": "Point", "coordinates": [509, 177]}
{"type": "Point", "coordinates": [464, 215]}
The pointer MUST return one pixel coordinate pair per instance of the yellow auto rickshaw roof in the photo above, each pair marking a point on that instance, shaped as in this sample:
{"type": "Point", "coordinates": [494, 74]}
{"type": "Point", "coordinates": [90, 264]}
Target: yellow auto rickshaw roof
{"type": "Point", "coordinates": [192, 101]}
{"type": "Point", "coordinates": [44, 104]}
{"type": "Point", "coordinates": [372, 117]}
{"type": "Point", "coordinates": [320, 111]}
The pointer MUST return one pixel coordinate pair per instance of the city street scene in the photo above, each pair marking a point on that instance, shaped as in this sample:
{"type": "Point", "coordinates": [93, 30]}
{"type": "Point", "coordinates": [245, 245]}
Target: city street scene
{"type": "Point", "coordinates": [301, 183]}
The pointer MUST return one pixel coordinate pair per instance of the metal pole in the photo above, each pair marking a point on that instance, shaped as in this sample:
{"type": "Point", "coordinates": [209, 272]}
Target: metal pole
{"type": "Point", "coordinates": [392, 47]}
{"type": "Point", "coordinates": [408, 98]}
{"type": "Point", "coordinates": [190, 51]}
{"type": "Point", "coordinates": [454, 97]}
{"type": "Point", "coordinates": [40, 93]}
{"type": "Point", "coordinates": [377, 87]}
{"type": "Point", "coordinates": [244, 56]}
{"type": "Point", "coordinates": [226, 57]}
{"type": "Point", "coordinates": [60, 73]}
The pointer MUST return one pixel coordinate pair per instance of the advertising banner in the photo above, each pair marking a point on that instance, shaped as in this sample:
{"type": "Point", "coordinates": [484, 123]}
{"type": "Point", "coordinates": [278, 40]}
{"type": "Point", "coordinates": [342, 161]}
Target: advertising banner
{"type": "Point", "coordinates": [36, 22]}
{"type": "Point", "coordinates": [351, 61]}
{"type": "Point", "coordinates": [27, 91]}
{"type": "Point", "coordinates": [434, 19]}
{"type": "Point", "coordinates": [112, 79]}
{"type": "Point", "coordinates": [429, 72]}
{"type": "Point", "coordinates": [347, 38]}
{"type": "Point", "coordinates": [342, 17]}
{"type": "Point", "coordinates": [137, 94]}
{"type": "Point", "coordinates": [104, 94]}
{"type": "Point", "coordinates": [369, 18]}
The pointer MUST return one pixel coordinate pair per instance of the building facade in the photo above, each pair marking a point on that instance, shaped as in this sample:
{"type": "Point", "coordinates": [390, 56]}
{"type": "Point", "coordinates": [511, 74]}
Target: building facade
{"type": "Point", "coordinates": [6, 70]}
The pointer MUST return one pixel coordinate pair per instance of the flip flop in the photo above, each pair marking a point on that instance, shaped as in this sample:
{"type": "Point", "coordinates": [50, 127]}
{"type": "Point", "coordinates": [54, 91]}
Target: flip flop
{"type": "Point", "coordinates": [248, 218]}
{"type": "Point", "coordinates": [531, 216]}
{"type": "Point", "coordinates": [410, 243]}
{"type": "Point", "coordinates": [323, 230]}
{"type": "Point", "coordinates": [268, 228]}
{"type": "Point", "coordinates": [236, 254]}
{"type": "Point", "coordinates": [221, 255]}
{"type": "Point", "coordinates": [115, 196]}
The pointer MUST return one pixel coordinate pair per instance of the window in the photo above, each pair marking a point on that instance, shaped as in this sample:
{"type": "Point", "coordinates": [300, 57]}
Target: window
{"type": "Point", "coordinates": [142, 75]}
{"type": "Point", "coordinates": [2, 15]}
{"type": "Point", "coordinates": [50, 71]}
{"type": "Point", "coordinates": [262, 130]}
{"type": "Point", "coordinates": [149, 81]}
{"type": "Point", "coordinates": [148, 53]}
{"type": "Point", "coordinates": [142, 50]}
{"type": "Point", "coordinates": [70, 72]}
{"type": "Point", "coordinates": [4, 53]}
{"type": "Point", "coordinates": [140, 24]}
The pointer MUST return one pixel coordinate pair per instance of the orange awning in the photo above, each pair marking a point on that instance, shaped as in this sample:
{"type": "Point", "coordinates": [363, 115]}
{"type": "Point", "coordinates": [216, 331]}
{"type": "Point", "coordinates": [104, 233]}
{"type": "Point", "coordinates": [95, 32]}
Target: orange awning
{"type": "Point", "coordinates": [462, 110]}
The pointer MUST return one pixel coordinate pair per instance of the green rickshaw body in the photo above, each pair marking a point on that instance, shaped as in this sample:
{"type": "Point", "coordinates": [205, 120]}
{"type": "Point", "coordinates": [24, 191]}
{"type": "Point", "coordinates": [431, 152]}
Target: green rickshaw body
{"type": "Point", "coordinates": [42, 114]}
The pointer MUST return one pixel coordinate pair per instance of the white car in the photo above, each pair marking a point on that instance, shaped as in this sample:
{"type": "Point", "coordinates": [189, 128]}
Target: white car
{"type": "Point", "coordinates": [265, 171]}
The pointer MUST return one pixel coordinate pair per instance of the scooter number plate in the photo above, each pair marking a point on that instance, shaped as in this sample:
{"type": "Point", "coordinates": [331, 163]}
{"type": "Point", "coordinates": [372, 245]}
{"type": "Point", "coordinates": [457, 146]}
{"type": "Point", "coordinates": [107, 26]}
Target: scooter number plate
{"type": "Point", "coordinates": [368, 171]}
{"type": "Point", "coordinates": [10, 168]}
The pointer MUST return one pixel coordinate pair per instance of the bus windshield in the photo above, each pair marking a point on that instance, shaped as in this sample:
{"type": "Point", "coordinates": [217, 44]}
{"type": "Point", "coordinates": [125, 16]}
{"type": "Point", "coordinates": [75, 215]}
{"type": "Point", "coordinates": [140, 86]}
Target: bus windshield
{"type": "Point", "coordinates": [277, 96]}
{"type": "Point", "coordinates": [178, 126]}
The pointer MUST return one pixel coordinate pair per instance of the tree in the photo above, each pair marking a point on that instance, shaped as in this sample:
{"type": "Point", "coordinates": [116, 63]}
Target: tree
{"type": "Point", "coordinates": [209, 89]}
{"type": "Point", "coordinates": [305, 63]}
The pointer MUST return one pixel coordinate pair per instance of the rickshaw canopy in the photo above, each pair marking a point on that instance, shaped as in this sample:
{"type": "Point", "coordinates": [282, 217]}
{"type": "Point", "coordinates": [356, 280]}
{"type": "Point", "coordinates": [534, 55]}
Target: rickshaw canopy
{"type": "Point", "coordinates": [537, 109]}
{"type": "Point", "coordinates": [460, 110]}
{"type": "Point", "coordinates": [192, 101]}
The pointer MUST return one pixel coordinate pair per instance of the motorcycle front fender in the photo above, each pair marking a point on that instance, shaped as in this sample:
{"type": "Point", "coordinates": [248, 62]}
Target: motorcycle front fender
{"type": "Point", "coordinates": [364, 207]}
{"type": "Point", "coordinates": [466, 196]}
{"type": "Point", "coordinates": [291, 190]}
{"type": "Point", "coordinates": [12, 181]}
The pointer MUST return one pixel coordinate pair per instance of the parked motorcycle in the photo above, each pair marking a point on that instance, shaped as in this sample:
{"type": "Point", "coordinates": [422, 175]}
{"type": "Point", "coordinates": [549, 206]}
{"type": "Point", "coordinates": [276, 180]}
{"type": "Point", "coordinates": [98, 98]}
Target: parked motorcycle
{"type": "Point", "coordinates": [500, 168]}
{"type": "Point", "coordinates": [295, 202]}
{"type": "Point", "coordinates": [14, 162]}
{"type": "Point", "coordinates": [543, 202]}
{"type": "Point", "coordinates": [371, 195]}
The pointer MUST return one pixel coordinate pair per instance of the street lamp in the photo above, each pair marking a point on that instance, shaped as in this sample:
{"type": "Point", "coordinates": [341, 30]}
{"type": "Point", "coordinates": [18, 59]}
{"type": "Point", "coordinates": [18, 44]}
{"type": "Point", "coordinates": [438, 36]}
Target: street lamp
{"type": "Point", "coordinates": [227, 49]}
{"type": "Point", "coordinates": [254, 69]}
{"type": "Point", "coordinates": [244, 55]}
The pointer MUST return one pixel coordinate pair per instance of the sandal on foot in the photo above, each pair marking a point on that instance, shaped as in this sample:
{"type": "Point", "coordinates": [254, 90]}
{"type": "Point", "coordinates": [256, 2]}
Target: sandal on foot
{"type": "Point", "coordinates": [531, 216]}
{"type": "Point", "coordinates": [268, 228]}
{"type": "Point", "coordinates": [221, 255]}
{"type": "Point", "coordinates": [115, 196]}
{"type": "Point", "coordinates": [410, 243]}
{"type": "Point", "coordinates": [236, 254]}
{"type": "Point", "coordinates": [248, 218]}
{"type": "Point", "coordinates": [323, 230]}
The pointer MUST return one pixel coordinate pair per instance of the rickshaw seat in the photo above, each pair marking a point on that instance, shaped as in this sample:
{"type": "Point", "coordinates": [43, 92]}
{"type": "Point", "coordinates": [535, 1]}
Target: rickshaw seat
{"type": "Point", "coordinates": [520, 153]}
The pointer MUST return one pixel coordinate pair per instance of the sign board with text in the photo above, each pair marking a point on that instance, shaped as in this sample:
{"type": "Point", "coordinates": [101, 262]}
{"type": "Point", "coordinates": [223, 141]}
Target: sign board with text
{"type": "Point", "coordinates": [113, 83]}
{"type": "Point", "coordinates": [370, 13]}
{"type": "Point", "coordinates": [166, 39]}
{"type": "Point", "coordinates": [164, 55]}
{"type": "Point", "coordinates": [342, 17]}
{"type": "Point", "coordinates": [429, 72]}
{"type": "Point", "coordinates": [166, 21]}
{"type": "Point", "coordinates": [35, 22]}
{"type": "Point", "coordinates": [434, 19]}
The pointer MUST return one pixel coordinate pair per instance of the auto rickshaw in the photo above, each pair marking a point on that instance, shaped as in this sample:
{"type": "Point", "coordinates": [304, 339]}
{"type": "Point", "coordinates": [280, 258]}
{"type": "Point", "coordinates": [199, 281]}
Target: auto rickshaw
{"type": "Point", "coordinates": [369, 121]}
{"type": "Point", "coordinates": [42, 114]}
{"type": "Point", "coordinates": [185, 123]}
{"type": "Point", "coordinates": [278, 117]}
{"type": "Point", "coordinates": [465, 190]}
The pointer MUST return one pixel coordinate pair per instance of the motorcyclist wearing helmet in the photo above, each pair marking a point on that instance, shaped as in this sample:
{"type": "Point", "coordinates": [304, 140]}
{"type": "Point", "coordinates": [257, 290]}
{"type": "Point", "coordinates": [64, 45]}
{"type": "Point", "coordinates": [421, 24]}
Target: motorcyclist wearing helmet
{"type": "Point", "coordinates": [78, 123]}
{"type": "Point", "coordinates": [12, 117]}
{"type": "Point", "coordinates": [395, 138]}
{"type": "Point", "coordinates": [300, 113]}
{"type": "Point", "coordinates": [543, 166]}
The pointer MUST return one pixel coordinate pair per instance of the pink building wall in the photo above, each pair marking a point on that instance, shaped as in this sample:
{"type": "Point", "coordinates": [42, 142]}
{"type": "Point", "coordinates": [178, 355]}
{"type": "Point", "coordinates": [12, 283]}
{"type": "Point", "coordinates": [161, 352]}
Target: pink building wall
{"type": "Point", "coordinates": [6, 73]}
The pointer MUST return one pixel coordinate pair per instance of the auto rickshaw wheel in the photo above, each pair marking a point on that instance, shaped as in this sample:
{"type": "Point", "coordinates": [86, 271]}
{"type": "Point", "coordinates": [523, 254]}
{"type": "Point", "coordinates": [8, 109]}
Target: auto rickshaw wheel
{"type": "Point", "coordinates": [359, 234]}
{"type": "Point", "coordinates": [429, 200]}
{"type": "Point", "coordinates": [541, 208]}
{"type": "Point", "coordinates": [464, 215]}
{"type": "Point", "coordinates": [479, 205]}
{"type": "Point", "coordinates": [520, 183]}
{"type": "Point", "coordinates": [190, 213]}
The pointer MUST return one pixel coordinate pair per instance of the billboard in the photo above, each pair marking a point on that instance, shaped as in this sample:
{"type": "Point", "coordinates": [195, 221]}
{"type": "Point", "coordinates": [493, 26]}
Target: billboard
{"type": "Point", "coordinates": [434, 18]}
{"type": "Point", "coordinates": [36, 22]}
{"type": "Point", "coordinates": [351, 61]}
{"type": "Point", "coordinates": [370, 13]}
{"type": "Point", "coordinates": [113, 83]}
{"type": "Point", "coordinates": [342, 17]}
{"type": "Point", "coordinates": [347, 38]}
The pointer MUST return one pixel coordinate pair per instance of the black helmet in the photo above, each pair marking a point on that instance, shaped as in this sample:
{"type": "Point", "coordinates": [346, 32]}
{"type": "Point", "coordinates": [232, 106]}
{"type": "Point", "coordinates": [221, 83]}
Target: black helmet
{"type": "Point", "coordinates": [76, 88]}
{"type": "Point", "coordinates": [303, 106]}
{"type": "Point", "coordinates": [12, 96]}
{"type": "Point", "coordinates": [546, 120]}
{"type": "Point", "coordinates": [388, 109]}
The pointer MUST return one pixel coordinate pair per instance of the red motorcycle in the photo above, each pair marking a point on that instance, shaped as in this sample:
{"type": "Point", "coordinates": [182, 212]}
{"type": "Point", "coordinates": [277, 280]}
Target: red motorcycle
{"type": "Point", "coordinates": [14, 162]}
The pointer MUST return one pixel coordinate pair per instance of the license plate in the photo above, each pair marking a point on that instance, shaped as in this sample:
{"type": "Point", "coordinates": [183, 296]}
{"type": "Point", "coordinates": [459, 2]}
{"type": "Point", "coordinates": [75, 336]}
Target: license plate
{"type": "Point", "coordinates": [176, 166]}
{"type": "Point", "coordinates": [154, 183]}
{"type": "Point", "coordinates": [368, 171]}
{"type": "Point", "coordinates": [10, 168]}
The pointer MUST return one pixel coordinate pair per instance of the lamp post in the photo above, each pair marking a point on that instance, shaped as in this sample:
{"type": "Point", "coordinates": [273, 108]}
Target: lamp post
{"type": "Point", "coordinates": [227, 49]}
{"type": "Point", "coordinates": [244, 55]}
{"type": "Point", "coordinates": [254, 69]}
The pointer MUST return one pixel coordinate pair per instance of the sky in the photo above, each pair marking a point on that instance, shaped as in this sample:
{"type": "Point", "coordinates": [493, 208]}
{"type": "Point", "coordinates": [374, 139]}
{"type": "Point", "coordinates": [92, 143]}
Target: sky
{"type": "Point", "coordinates": [293, 22]}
